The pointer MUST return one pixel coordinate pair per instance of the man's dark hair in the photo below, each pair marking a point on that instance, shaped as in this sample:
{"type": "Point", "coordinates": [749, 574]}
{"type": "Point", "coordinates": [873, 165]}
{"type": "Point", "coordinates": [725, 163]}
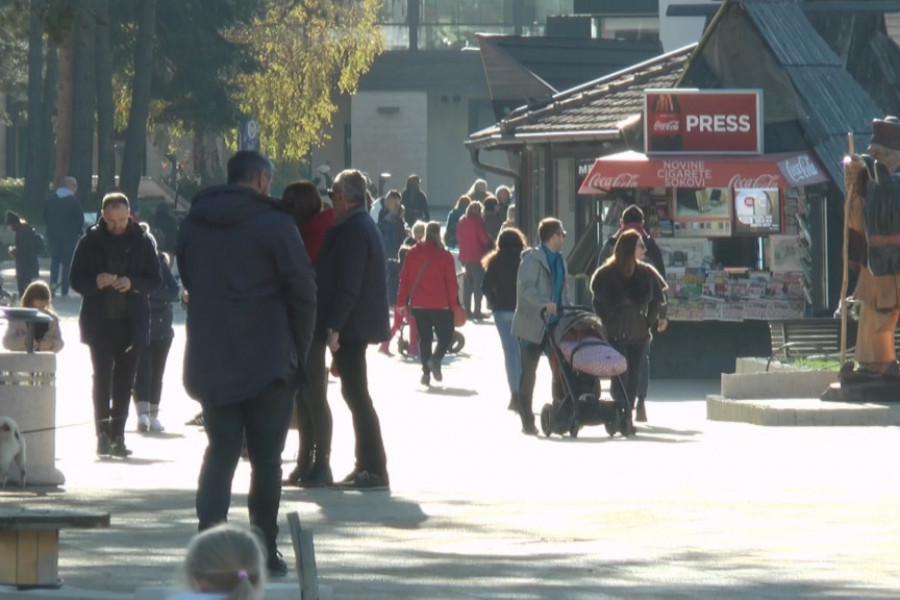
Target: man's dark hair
{"type": "Point", "coordinates": [352, 183]}
{"type": "Point", "coordinates": [633, 214]}
{"type": "Point", "coordinates": [245, 165]}
{"type": "Point", "coordinates": [114, 199]}
{"type": "Point", "coordinates": [549, 227]}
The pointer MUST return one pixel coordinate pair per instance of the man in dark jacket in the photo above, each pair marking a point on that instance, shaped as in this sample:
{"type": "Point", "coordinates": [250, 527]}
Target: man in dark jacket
{"type": "Point", "coordinates": [64, 217]}
{"type": "Point", "coordinates": [633, 218]}
{"type": "Point", "coordinates": [249, 325]}
{"type": "Point", "coordinates": [353, 313]}
{"type": "Point", "coordinates": [114, 268]}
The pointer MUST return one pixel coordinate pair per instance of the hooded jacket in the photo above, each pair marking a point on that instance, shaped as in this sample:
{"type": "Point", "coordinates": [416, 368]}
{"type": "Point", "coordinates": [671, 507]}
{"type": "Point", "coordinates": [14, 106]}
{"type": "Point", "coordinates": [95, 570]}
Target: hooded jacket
{"type": "Point", "coordinates": [252, 295]}
{"type": "Point", "coordinates": [90, 259]}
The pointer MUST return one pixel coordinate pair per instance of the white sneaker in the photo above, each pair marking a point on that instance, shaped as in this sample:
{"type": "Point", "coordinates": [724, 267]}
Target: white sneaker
{"type": "Point", "coordinates": [144, 422]}
{"type": "Point", "coordinates": [156, 426]}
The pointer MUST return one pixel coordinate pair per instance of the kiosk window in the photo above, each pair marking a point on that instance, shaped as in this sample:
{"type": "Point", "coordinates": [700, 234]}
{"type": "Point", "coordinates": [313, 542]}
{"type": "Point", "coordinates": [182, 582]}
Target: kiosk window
{"type": "Point", "coordinates": [735, 252]}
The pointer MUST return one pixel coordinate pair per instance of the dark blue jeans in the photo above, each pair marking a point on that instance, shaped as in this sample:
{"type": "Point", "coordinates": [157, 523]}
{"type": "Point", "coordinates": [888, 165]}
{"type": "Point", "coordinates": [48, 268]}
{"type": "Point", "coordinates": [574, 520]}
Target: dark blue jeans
{"type": "Point", "coordinates": [60, 260]}
{"type": "Point", "coordinates": [264, 418]}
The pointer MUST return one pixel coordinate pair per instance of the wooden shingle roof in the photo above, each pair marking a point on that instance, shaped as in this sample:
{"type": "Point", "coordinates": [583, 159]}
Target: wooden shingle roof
{"type": "Point", "coordinates": [835, 103]}
{"type": "Point", "coordinates": [594, 109]}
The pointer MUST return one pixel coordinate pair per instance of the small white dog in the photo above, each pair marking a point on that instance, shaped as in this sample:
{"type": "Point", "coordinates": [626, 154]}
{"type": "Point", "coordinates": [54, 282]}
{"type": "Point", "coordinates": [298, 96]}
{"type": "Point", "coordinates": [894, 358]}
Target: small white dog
{"type": "Point", "coordinates": [12, 448]}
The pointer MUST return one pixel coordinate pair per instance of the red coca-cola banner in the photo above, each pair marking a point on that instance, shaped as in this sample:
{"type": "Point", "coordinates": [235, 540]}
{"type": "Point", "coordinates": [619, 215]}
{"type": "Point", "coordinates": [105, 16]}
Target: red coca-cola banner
{"type": "Point", "coordinates": [690, 121]}
{"type": "Point", "coordinates": [633, 170]}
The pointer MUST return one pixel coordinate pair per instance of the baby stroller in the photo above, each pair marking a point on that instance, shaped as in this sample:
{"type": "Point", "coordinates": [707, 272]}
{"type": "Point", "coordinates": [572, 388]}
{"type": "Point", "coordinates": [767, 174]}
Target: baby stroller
{"type": "Point", "coordinates": [403, 345]}
{"type": "Point", "coordinates": [582, 357]}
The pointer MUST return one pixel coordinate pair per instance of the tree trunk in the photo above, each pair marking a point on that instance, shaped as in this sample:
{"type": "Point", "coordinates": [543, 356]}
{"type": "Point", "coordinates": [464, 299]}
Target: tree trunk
{"type": "Point", "coordinates": [48, 111]}
{"type": "Point", "coordinates": [81, 164]}
{"type": "Point", "coordinates": [35, 187]}
{"type": "Point", "coordinates": [106, 153]}
{"type": "Point", "coordinates": [64, 110]}
{"type": "Point", "coordinates": [136, 134]}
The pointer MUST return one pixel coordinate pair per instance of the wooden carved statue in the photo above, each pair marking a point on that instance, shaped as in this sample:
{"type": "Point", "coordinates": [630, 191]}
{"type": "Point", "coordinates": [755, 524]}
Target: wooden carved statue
{"type": "Point", "coordinates": [873, 192]}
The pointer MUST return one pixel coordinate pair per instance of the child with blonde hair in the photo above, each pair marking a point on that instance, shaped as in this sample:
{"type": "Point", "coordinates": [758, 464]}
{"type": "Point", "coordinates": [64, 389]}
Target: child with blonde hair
{"type": "Point", "coordinates": [47, 336]}
{"type": "Point", "coordinates": [224, 562]}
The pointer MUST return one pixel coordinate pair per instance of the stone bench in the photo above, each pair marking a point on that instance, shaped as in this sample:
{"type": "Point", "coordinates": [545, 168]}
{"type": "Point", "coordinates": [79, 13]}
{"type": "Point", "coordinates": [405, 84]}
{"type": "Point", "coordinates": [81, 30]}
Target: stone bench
{"type": "Point", "coordinates": [29, 543]}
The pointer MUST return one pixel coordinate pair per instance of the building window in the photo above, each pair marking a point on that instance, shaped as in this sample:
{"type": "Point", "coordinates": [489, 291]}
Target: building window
{"type": "Point", "coordinates": [628, 28]}
{"type": "Point", "coordinates": [453, 25]}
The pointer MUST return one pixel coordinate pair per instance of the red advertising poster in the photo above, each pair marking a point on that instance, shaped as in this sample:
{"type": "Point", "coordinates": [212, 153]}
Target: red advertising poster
{"type": "Point", "coordinates": [721, 121]}
{"type": "Point", "coordinates": [636, 170]}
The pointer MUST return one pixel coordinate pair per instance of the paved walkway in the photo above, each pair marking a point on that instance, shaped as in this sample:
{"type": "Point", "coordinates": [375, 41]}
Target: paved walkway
{"type": "Point", "coordinates": [688, 509]}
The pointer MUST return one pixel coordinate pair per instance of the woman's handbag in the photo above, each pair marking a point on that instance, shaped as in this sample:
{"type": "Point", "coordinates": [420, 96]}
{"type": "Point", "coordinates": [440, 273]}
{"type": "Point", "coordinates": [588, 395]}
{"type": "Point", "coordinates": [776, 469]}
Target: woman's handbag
{"type": "Point", "coordinates": [459, 315]}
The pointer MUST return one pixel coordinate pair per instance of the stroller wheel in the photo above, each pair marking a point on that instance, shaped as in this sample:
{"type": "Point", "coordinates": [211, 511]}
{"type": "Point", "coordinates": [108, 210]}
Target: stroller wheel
{"type": "Point", "coordinates": [574, 427]}
{"type": "Point", "coordinates": [610, 427]}
{"type": "Point", "coordinates": [403, 347]}
{"type": "Point", "coordinates": [545, 420]}
{"type": "Point", "coordinates": [459, 341]}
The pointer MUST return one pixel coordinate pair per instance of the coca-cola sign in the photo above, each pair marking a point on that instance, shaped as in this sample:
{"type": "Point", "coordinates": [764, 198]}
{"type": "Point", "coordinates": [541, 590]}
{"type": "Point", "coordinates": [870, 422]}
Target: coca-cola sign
{"type": "Point", "coordinates": [690, 121]}
{"type": "Point", "coordinates": [801, 170]}
{"type": "Point", "coordinates": [633, 169]}
{"type": "Point", "coordinates": [600, 181]}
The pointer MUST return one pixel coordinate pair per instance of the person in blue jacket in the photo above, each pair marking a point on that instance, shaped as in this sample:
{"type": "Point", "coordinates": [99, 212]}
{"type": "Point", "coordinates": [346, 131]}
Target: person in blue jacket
{"type": "Point", "coordinates": [152, 363]}
{"type": "Point", "coordinates": [249, 325]}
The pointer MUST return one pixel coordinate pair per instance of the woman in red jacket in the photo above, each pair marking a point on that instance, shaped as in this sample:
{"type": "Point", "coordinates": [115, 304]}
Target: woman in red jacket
{"type": "Point", "coordinates": [313, 217]}
{"type": "Point", "coordinates": [428, 287]}
{"type": "Point", "coordinates": [474, 242]}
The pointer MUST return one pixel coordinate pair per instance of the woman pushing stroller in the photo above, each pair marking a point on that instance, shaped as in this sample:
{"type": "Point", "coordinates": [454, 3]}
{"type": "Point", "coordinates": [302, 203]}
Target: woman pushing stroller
{"type": "Point", "coordinates": [629, 298]}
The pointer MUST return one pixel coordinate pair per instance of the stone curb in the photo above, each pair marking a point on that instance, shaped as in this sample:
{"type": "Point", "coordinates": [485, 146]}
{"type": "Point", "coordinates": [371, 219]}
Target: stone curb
{"type": "Point", "coordinates": [800, 412]}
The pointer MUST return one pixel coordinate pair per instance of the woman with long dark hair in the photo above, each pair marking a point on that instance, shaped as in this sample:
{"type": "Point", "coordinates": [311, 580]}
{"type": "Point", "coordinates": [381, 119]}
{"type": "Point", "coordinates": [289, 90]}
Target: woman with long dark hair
{"type": "Point", "coordinates": [314, 422]}
{"type": "Point", "coordinates": [628, 297]}
{"type": "Point", "coordinates": [501, 267]}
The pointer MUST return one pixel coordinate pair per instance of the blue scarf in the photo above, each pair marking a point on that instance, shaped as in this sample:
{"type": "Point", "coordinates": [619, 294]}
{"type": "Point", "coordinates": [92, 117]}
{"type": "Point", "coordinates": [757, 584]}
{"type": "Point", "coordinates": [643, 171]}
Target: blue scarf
{"type": "Point", "coordinates": [558, 274]}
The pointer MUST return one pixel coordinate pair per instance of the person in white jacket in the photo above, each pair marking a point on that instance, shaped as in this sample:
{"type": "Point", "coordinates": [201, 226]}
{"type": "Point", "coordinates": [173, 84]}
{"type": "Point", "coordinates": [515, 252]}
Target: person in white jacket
{"type": "Point", "coordinates": [47, 336]}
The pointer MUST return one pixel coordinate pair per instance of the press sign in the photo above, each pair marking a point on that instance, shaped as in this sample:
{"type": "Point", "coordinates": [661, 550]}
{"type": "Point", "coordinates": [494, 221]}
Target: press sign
{"type": "Point", "coordinates": [708, 121]}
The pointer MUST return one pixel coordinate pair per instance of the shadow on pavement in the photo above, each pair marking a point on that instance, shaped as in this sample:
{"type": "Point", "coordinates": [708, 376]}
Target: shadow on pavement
{"type": "Point", "coordinates": [451, 391]}
{"type": "Point", "coordinates": [376, 546]}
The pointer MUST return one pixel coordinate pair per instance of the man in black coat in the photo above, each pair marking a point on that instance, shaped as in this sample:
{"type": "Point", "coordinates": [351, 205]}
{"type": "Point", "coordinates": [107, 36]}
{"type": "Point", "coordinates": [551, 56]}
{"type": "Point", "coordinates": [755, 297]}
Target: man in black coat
{"type": "Point", "coordinates": [633, 218]}
{"type": "Point", "coordinates": [353, 313]}
{"type": "Point", "coordinates": [64, 217]}
{"type": "Point", "coordinates": [251, 313]}
{"type": "Point", "coordinates": [114, 268]}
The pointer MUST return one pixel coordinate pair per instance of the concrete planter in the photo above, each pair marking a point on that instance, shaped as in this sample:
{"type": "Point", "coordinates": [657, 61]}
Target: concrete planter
{"type": "Point", "coordinates": [28, 395]}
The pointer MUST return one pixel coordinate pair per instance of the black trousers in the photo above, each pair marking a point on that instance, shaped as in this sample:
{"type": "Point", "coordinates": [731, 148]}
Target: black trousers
{"type": "Point", "coordinates": [115, 360]}
{"type": "Point", "coordinates": [150, 369]}
{"type": "Point", "coordinates": [314, 422]}
{"type": "Point", "coordinates": [264, 419]}
{"type": "Point", "coordinates": [431, 322]}
{"type": "Point", "coordinates": [531, 355]}
{"type": "Point", "coordinates": [351, 362]}
{"type": "Point", "coordinates": [636, 359]}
